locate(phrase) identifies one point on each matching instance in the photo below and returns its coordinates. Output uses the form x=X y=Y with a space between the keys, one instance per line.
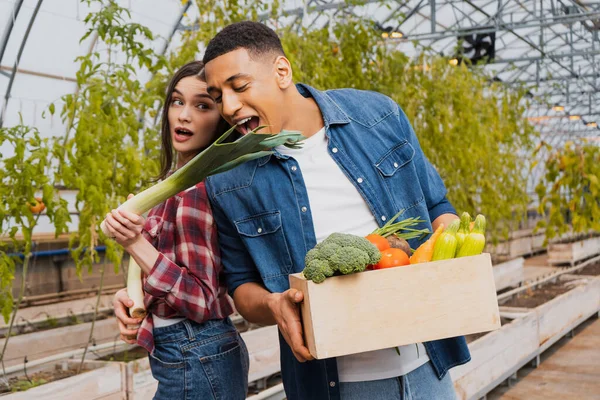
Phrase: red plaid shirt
x=185 y=281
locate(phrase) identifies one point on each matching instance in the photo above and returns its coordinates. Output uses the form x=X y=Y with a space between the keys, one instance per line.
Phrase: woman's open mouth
x=182 y=134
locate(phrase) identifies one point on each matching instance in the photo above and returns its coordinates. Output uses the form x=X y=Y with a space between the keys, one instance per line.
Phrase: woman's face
x=193 y=118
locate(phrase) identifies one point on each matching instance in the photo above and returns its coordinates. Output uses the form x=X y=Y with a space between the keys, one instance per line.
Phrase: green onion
x=397 y=228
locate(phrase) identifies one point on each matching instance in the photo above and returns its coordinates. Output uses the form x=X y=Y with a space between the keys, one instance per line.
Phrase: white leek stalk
x=134 y=289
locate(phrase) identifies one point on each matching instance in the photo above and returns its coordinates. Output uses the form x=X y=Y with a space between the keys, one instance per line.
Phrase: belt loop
x=189 y=329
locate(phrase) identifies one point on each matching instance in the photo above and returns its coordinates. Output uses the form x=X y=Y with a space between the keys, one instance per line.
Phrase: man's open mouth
x=247 y=125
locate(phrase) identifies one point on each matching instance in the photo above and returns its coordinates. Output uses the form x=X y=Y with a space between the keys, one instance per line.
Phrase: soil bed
x=22 y=383
x=592 y=270
x=533 y=298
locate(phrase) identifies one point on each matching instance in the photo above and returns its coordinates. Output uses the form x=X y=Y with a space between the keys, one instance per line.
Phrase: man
x=360 y=165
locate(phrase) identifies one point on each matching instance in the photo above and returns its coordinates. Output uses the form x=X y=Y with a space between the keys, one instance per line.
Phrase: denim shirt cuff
x=443 y=207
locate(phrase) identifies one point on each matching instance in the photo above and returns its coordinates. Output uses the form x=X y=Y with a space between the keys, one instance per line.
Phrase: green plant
x=104 y=153
x=569 y=191
x=26 y=384
x=23 y=175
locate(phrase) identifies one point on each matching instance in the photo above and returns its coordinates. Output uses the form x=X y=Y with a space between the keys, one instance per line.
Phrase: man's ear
x=283 y=70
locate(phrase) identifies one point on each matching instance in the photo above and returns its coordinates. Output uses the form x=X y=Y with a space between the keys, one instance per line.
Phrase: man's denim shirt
x=265 y=225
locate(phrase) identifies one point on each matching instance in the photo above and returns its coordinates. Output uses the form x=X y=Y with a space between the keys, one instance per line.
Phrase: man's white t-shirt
x=337 y=206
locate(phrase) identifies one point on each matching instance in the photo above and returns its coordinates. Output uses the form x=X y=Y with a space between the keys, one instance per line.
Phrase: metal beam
x=19 y=54
x=545 y=56
x=9 y=27
x=501 y=26
x=4 y=68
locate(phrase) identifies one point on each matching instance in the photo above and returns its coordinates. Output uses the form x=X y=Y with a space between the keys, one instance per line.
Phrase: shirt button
x=304 y=209
x=395 y=165
x=334 y=150
x=383 y=218
x=294 y=168
x=259 y=230
x=332 y=384
x=359 y=180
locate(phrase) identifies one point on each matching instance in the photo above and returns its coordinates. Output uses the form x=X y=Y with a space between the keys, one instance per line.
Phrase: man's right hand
x=284 y=307
x=121 y=302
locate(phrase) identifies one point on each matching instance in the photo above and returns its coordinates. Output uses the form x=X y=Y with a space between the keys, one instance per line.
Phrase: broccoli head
x=317 y=270
x=339 y=253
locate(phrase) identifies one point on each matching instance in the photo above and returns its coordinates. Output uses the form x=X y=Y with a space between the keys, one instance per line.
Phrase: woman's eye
x=177 y=102
x=202 y=106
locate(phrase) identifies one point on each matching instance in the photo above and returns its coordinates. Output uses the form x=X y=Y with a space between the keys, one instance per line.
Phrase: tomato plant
x=37 y=205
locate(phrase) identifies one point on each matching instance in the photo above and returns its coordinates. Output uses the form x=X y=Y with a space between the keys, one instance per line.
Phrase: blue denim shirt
x=265 y=224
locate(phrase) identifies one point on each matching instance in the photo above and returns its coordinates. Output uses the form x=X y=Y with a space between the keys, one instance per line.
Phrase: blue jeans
x=200 y=361
x=420 y=384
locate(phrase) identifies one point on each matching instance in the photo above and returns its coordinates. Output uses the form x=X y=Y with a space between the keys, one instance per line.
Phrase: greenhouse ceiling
x=550 y=47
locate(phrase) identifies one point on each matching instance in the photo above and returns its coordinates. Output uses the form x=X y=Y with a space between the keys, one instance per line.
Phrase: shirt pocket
x=264 y=238
x=397 y=170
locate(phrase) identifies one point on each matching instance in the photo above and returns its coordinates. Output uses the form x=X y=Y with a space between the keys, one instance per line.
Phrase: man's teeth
x=242 y=122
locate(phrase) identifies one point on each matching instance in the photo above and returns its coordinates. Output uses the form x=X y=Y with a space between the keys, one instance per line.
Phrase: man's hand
x=284 y=307
x=121 y=302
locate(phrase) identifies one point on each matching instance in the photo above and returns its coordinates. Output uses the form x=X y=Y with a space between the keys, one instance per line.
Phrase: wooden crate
x=570 y=253
x=403 y=305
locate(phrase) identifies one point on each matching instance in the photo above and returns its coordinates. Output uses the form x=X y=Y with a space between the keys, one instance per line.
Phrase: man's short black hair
x=258 y=39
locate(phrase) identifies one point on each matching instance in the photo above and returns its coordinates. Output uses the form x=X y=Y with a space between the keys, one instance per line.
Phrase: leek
x=134 y=290
x=218 y=157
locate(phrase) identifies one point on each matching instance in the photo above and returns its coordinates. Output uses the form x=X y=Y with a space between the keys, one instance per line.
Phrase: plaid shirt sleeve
x=190 y=286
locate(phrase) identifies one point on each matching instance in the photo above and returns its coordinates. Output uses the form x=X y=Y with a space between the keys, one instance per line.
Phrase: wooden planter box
x=571 y=253
x=263 y=348
x=139 y=384
x=563 y=313
x=58 y=340
x=509 y=273
x=495 y=355
x=404 y=305
x=518 y=244
x=103 y=382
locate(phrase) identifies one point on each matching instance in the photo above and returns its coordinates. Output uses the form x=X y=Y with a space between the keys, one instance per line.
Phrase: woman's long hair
x=193 y=68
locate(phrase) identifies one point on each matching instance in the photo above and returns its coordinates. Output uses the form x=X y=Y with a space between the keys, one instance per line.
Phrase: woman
x=195 y=351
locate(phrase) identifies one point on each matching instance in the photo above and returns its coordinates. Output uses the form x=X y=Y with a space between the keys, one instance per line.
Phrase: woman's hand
x=125 y=226
x=128 y=327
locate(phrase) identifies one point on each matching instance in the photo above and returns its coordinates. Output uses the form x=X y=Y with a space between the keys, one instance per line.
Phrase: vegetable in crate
x=392 y=258
x=465 y=228
x=475 y=240
x=445 y=246
x=425 y=250
x=397 y=233
x=339 y=253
